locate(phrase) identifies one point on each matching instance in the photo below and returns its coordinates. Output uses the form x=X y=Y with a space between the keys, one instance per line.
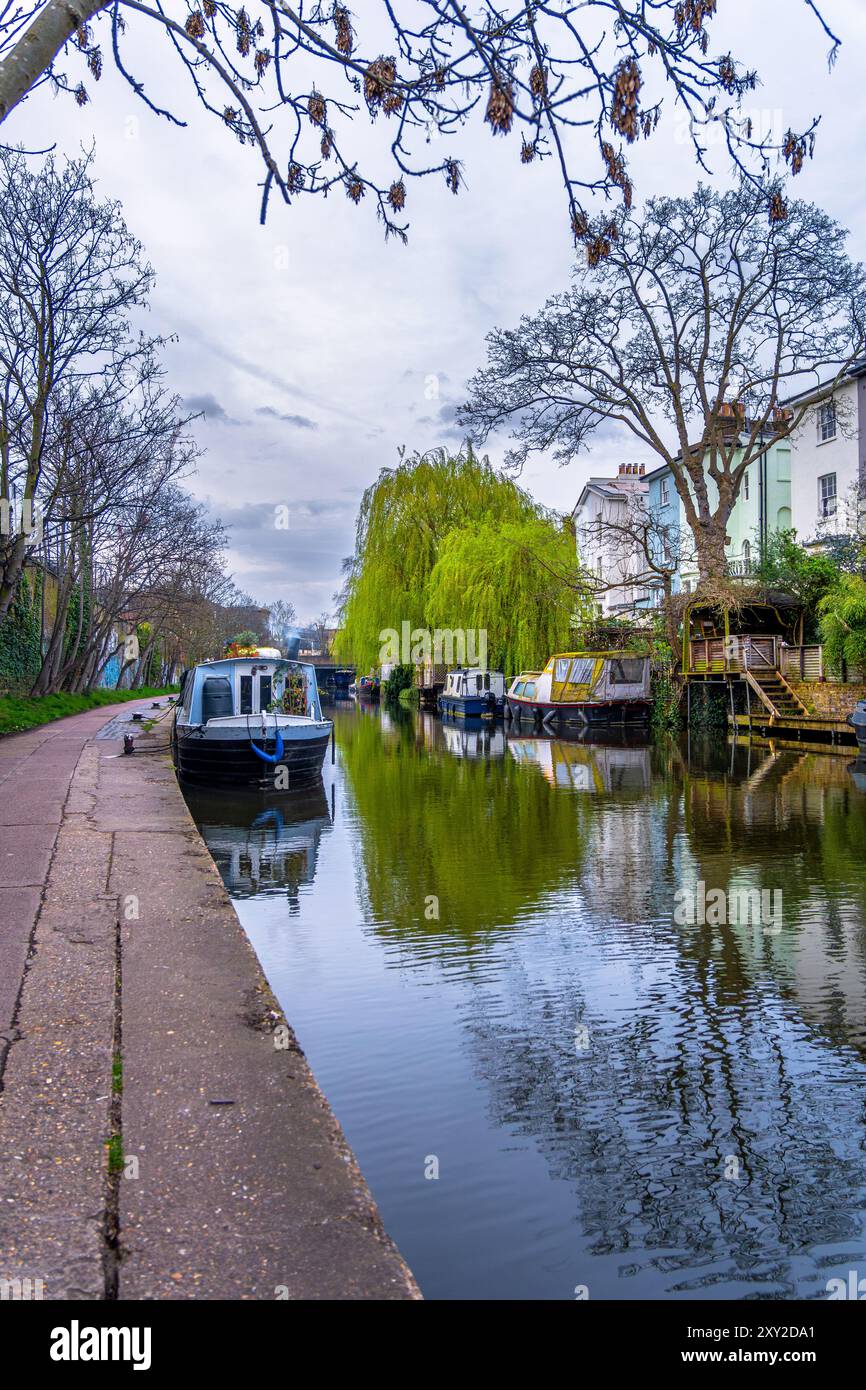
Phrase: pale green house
x=762 y=507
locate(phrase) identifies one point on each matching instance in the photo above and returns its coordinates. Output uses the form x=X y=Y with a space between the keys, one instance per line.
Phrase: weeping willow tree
x=419 y=528
x=519 y=580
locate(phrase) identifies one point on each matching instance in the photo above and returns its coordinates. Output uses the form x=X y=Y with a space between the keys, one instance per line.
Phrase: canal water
x=572 y=1058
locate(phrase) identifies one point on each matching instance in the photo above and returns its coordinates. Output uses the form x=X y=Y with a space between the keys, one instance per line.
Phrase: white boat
x=251 y=721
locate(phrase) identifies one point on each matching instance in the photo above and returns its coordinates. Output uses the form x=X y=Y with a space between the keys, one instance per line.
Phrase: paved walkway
x=154 y=1141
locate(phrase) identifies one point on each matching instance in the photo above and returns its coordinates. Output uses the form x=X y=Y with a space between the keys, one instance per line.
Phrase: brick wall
x=829 y=699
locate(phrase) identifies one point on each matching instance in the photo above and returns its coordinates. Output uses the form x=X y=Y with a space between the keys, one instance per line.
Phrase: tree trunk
x=710 y=552
x=37 y=48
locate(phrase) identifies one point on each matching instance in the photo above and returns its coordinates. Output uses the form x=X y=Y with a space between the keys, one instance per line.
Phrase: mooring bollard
x=128 y=743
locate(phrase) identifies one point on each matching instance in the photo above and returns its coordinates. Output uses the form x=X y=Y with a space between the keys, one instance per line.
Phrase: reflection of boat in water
x=857 y=770
x=262 y=844
x=465 y=737
x=584 y=688
x=577 y=765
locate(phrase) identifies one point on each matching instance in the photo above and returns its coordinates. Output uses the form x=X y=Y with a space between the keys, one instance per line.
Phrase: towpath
x=161 y=1134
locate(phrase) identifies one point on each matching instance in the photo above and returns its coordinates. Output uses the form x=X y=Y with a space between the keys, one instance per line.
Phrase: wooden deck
x=805 y=728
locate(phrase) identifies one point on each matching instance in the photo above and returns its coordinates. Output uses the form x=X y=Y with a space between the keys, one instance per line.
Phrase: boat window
x=479 y=683
x=487 y=680
x=246 y=691
x=529 y=691
x=518 y=689
x=626 y=671
x=265 y=695
x=562 y=668
x=581 y=671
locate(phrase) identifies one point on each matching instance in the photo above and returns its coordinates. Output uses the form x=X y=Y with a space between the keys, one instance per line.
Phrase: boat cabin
x=248 y=686
x=474 y=681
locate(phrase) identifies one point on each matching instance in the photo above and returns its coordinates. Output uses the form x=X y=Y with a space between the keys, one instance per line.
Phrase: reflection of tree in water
x=705 y=1043
x=796 y=823
x=263 y=846
x=484 y=837
x=678 y=1076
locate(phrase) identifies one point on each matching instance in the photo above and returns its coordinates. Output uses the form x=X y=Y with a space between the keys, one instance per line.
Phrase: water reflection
x=651 y=1109
x=263 y=845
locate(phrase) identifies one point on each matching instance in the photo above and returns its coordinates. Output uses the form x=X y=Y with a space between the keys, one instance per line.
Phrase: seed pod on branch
x=778 y=208
x=316 y=108
x=195 y=25
x=343 y=25
x=380 y=86
x=500 y=107
x=624 y=109
x=538 y=82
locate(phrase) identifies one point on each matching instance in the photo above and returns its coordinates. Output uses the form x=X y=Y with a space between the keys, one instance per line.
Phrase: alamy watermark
x=441 y=647
x=25 y=518
x=713 y=907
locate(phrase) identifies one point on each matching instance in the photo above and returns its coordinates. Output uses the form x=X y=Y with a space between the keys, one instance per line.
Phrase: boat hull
x=470 y=706
x=204 y=760
x=581 y=713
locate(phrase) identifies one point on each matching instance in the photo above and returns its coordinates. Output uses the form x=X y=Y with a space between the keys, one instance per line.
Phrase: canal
x=592 y=1016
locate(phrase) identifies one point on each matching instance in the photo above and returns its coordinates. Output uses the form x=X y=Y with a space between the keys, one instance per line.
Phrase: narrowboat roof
x=609 y=652
x=252 y=660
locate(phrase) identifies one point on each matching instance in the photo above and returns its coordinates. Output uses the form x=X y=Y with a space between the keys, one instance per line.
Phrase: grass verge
x=28 y=712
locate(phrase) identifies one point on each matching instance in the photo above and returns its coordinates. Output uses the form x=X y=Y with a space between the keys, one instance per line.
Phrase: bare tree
x=70 y=274
x=282 y=622
x=699 y=324
x=289 y=81
x=643 y=552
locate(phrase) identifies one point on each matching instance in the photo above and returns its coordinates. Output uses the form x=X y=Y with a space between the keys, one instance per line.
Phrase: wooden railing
x=721 y=655
x=726 y=655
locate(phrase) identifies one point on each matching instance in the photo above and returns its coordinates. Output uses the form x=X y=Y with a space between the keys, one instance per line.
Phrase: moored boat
x=368 y=687
x=252 y=721
x=857 y=720
x=471 y=692
x=602 y=687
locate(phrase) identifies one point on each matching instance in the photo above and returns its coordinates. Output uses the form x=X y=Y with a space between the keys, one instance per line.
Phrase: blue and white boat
x=250 y=721
x=471 y=692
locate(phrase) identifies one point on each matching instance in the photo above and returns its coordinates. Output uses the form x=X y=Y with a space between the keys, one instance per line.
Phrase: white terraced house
x=828 y=473
x=608 y=557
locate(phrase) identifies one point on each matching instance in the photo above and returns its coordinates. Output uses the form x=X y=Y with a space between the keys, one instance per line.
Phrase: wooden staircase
x=776 y=695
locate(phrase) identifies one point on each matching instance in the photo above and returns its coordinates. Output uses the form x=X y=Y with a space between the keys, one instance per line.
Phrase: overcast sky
x=315 y=349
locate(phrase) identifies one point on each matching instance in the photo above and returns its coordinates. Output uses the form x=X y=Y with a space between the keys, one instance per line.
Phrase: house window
x=827 y=495
x=826 y=421
x=598 y=566
x=665 y=493
x=747 y=558
x=746 y=486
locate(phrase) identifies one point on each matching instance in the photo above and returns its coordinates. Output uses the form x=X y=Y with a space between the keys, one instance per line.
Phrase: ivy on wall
x=21 y=638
